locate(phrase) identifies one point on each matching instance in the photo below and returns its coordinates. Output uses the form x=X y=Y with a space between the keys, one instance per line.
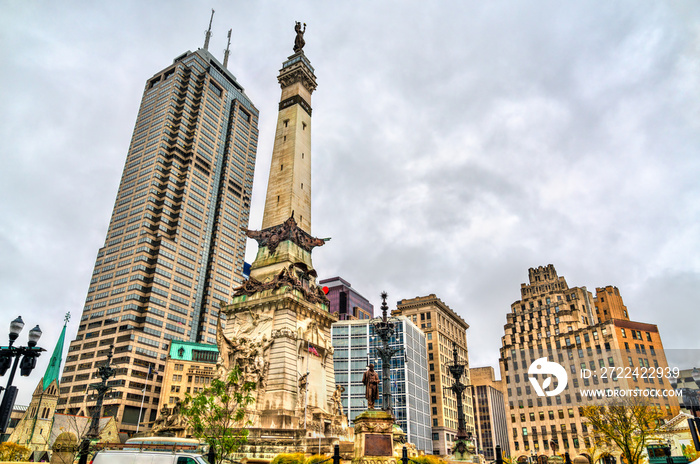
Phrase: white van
x=147 y=457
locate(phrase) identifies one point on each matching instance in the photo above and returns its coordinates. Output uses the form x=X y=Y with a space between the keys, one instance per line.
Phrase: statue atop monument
x=299 y=39
x=371 y=381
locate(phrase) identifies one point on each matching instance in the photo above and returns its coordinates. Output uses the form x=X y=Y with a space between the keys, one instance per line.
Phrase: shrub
x=428 y=459
x=13 y=452
x=288 y=458
x=316 y=458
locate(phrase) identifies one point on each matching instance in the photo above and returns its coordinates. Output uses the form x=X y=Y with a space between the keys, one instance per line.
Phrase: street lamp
x=16 y=327
x=28 y=354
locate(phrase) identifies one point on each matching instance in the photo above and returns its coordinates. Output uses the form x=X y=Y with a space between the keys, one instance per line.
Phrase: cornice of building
x=420 y=302
x=635 y=325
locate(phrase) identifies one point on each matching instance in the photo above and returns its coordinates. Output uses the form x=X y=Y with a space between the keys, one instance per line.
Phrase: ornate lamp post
x=28 y=354
x=384 y=330
x=105 y=371
x=457 y=370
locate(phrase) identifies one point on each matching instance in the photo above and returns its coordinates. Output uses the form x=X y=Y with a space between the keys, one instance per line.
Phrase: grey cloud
x=455 y=145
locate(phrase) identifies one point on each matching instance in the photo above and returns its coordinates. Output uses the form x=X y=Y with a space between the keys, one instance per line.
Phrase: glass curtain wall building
x=175 y=246
x=355 y=346
x=345 y=301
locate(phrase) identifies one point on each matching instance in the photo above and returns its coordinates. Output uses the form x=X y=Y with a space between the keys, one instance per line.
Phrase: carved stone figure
x=159 y=423
x=175 y=419
x=336 y=401
x=302 y=382
x=227 y=350
x=370 y=379
x=301 y=396
x=251 y=324
x=247 y=351
x=299 y=39
x=309 y=331
x=292 y=277
x=169 y=421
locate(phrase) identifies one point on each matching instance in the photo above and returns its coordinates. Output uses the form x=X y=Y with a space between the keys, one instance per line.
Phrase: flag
x=313 y=351
x=151 y=370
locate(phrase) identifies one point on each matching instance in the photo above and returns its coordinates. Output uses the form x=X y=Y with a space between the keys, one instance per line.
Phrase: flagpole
x=306 y=387
x=143 y=397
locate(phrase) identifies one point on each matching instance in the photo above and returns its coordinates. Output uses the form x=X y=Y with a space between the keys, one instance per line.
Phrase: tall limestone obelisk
x=278 y=327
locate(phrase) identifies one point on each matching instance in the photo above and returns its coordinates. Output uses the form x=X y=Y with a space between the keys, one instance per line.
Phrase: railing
x=147 y=447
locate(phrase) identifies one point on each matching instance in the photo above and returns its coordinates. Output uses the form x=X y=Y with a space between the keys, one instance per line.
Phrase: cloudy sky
x=455 y=145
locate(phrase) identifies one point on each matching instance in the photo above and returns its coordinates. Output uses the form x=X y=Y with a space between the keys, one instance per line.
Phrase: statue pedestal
x=464 y=450
x=374 y=438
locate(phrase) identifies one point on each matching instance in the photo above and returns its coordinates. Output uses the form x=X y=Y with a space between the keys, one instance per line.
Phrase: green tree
x=13 y=452
x=627 y=424
x=690 y=452
x=217 y=414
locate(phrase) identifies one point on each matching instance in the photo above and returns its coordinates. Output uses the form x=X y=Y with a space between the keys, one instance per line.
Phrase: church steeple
x=53 y=370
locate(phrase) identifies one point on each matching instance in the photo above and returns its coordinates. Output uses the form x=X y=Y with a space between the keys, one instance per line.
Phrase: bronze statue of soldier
x=371 y=381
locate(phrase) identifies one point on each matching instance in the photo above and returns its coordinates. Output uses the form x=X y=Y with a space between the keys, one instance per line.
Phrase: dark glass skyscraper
x=175 y=245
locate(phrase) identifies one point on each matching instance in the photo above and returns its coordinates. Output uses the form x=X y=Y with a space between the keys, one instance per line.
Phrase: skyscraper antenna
x=208 y=33
x=228 y=46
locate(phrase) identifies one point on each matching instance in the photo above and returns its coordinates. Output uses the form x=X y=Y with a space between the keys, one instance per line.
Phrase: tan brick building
x=190 y=368
x=443 y=328
x=580 y=333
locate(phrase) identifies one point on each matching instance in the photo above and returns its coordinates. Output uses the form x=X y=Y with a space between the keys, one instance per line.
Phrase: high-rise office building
x=589 y=345
x=175 y=244
x=355 y=346
x=491 y=426
x=345 y=301
x=443 y=329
